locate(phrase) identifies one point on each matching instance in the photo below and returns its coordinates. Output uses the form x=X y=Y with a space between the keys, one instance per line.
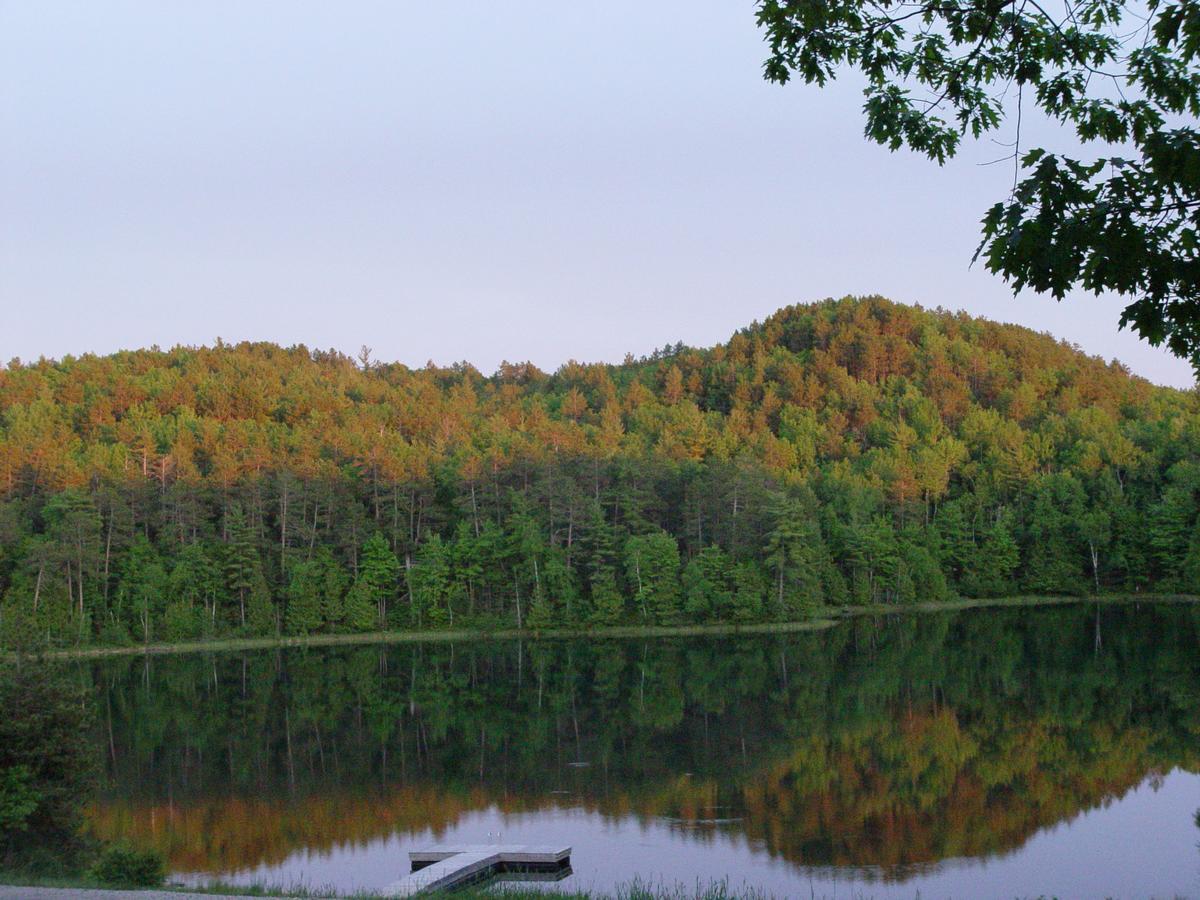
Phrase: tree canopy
x=1118 y=207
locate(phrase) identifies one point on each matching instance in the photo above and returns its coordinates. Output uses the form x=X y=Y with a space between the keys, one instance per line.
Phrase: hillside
x=846 y=451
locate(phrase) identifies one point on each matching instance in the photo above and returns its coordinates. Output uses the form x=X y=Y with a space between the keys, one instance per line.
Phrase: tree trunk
x=107 y=553
x=474 y=510
x=283 y=513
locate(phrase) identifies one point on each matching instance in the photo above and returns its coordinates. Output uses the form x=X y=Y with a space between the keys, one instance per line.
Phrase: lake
x=1006 y=753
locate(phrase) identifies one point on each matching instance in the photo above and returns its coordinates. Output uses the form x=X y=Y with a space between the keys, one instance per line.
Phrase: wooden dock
x=445 y=868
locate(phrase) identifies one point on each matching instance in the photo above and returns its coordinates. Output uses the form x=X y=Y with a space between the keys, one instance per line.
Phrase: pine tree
x=652 y=568
x=709 y=585
x=261 y=615
x=957 y=551
x=607 y=601
x=1175 y=528
x=332 y=580
x=1002 y=555
x=919 y=577
x=359 y=610
x=73 y=528
x=795 y=553
x=430 y=581
x=559 y=584
x=1055 y=554
x=303 y=615
x=242 y=563
x=608 y=604
x=378 y=570
x=142 y=592
x=197 y=579
x=750 y=589
x=527 y=550
x=541 y=611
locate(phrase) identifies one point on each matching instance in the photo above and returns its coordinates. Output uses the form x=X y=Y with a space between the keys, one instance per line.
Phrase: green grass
x=1024 y=600
x=821 y=619
x=460 y=634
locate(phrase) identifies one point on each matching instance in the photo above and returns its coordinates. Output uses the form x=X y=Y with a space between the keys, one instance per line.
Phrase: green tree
x=992 y=567
x=19 y=799
x=378 y=570
x=652 y=567
x=242 y=564
x=958 y=551
x=873 y=557
x=922 y=452
x=796 y=555
x=1175 y=527
x=1095 y=527
x=750 y=591
x=527 y=549
x=73 y=527
x=262 y=617
x=334 y=580
x=919 y=577
x=555 y=598
x=470 y=554
x=305 y=592
x=196 y=578
x=359 y=612
x=182 y=622
x=1054 y=563
x=432 y=583
x=1126 y=217
x=142 y=591
x=599 y=565
x=709 y=585
x=608 y=603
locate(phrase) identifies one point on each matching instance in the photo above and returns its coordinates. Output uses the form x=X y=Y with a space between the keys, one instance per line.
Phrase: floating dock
x=446 y=868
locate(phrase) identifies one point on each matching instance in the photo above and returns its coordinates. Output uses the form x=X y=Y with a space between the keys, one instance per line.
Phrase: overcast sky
x=475 y=180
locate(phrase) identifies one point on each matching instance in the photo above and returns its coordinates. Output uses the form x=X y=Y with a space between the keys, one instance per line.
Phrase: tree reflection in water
x=892 y=743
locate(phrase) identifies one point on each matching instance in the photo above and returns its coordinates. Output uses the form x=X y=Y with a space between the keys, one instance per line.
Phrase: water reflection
x=883 y=750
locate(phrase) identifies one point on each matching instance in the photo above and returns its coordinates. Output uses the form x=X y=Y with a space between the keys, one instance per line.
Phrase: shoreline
x=827 y=618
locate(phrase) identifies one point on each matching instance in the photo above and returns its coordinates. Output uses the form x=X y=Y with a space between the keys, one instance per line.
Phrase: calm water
x=1005 y=753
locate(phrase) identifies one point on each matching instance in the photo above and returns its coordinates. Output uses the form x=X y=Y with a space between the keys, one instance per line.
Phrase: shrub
x=19 y=799
x=18 y=629
x=121 y=866
x=182 y=622
x=113 y=633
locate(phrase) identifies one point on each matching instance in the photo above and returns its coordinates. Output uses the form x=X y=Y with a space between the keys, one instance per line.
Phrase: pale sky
x=476 y=180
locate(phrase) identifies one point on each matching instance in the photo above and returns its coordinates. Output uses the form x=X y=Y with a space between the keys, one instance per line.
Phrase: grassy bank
x=443 y=636
x=883 y=609
x=825 y=618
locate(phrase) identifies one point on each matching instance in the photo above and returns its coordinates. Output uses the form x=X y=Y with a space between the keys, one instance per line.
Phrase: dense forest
x=850 y=451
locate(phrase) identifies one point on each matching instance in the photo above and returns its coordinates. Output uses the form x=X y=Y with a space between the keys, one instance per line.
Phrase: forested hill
x=846 y=451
